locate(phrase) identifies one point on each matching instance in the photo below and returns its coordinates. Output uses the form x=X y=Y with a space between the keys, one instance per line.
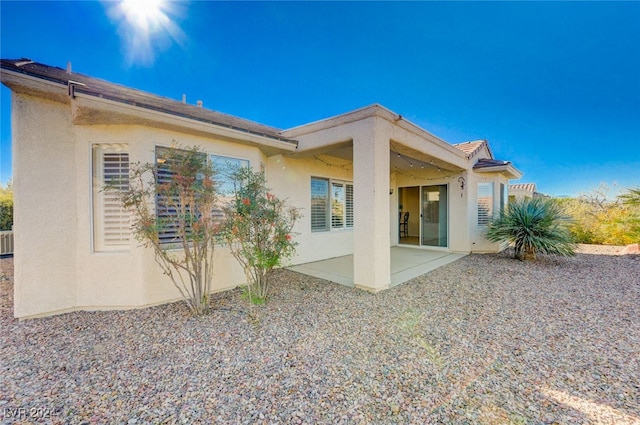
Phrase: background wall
x=290 y=178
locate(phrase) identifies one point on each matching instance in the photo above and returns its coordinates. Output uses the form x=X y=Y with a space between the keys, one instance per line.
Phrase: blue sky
x=553 y=86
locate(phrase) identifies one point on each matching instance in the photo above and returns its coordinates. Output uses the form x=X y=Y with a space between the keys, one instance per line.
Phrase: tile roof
x=528 y=187
x=100 y=88
x=471 y=148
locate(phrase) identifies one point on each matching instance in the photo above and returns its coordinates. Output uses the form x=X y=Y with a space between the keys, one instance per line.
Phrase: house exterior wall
x=45 y=206
x=290 y=179
x=57 y=269
x=458 y=235
x=479 y=243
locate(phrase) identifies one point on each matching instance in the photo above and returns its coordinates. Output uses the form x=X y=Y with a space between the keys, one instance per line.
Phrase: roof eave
x=375 y=111
x=508 y=170
x=21 y=81
x=86 y=105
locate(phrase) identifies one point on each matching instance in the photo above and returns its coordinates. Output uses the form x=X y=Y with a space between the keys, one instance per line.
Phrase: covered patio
x=406 y=264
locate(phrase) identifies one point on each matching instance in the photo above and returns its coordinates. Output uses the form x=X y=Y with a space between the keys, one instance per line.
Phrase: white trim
x=95 y=177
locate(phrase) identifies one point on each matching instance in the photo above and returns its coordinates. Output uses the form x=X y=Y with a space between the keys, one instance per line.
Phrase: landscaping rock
x=485 y=339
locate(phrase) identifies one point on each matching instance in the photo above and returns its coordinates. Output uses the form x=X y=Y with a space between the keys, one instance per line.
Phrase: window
x=224 y=167
x=349 y=205
x=337 y=205
x=166 y=209
x=111 y=222
x=485 y=203
x=319 y=204
x=331 y=204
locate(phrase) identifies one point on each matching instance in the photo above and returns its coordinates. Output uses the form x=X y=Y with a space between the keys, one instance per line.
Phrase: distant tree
x=174 y=208
x=6 y=206
x=533 y=226
x=599 y=219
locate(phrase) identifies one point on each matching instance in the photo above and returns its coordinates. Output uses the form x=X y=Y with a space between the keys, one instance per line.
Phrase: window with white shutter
x=111 y=222
x=331 y=204
x=349 y=204
x=170 y=211
x=485 y=203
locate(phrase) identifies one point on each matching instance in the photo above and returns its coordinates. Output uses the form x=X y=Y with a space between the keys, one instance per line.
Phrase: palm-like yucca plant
x=537 y=225
x=632 y=197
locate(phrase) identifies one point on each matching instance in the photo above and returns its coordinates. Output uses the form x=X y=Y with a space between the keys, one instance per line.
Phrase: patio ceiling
x=401 y=157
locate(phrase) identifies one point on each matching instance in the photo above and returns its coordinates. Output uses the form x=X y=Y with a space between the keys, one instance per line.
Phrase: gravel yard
x=486 y=340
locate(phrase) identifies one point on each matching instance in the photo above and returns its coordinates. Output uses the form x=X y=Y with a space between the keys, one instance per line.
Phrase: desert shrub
x=533 y=226
x=175 y=212
x=598 y=219
x=257 y=228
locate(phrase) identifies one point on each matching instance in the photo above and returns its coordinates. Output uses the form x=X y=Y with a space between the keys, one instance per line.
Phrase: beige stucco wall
x=290 y=179
x=46 y=207
x=478 y=241
x=56 y=267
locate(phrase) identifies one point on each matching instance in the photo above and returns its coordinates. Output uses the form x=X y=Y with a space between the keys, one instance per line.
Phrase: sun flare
x=144 y=14
x=146 y=27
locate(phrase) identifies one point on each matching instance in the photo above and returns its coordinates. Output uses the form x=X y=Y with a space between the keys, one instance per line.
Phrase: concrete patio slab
x=406 y=264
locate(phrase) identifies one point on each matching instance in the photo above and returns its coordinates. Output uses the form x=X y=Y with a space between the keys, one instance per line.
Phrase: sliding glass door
x=434 y=216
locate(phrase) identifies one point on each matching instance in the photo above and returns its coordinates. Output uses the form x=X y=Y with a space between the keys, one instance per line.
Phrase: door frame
x=420 y=214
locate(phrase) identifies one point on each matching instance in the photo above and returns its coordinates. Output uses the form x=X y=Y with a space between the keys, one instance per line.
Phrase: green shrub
x=258 y=230
x=186 y=199
x=533 y=226
x=6 y=207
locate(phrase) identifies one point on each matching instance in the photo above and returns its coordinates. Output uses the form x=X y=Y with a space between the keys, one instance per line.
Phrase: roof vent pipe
x=199 y=103
x=69 y=67
x=184 y=98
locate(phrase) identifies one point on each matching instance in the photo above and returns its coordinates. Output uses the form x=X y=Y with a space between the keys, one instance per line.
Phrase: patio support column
x=371 y=253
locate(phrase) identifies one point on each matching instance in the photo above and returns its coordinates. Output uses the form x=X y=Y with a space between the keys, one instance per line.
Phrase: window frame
x=485 y=204
x=333 y=222
x=210 y=160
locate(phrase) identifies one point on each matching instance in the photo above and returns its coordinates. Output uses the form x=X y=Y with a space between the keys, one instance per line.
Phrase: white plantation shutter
x=485 y=203
x=111 y=222
x=166 y=207
x=331 y=204
x=349 y=204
